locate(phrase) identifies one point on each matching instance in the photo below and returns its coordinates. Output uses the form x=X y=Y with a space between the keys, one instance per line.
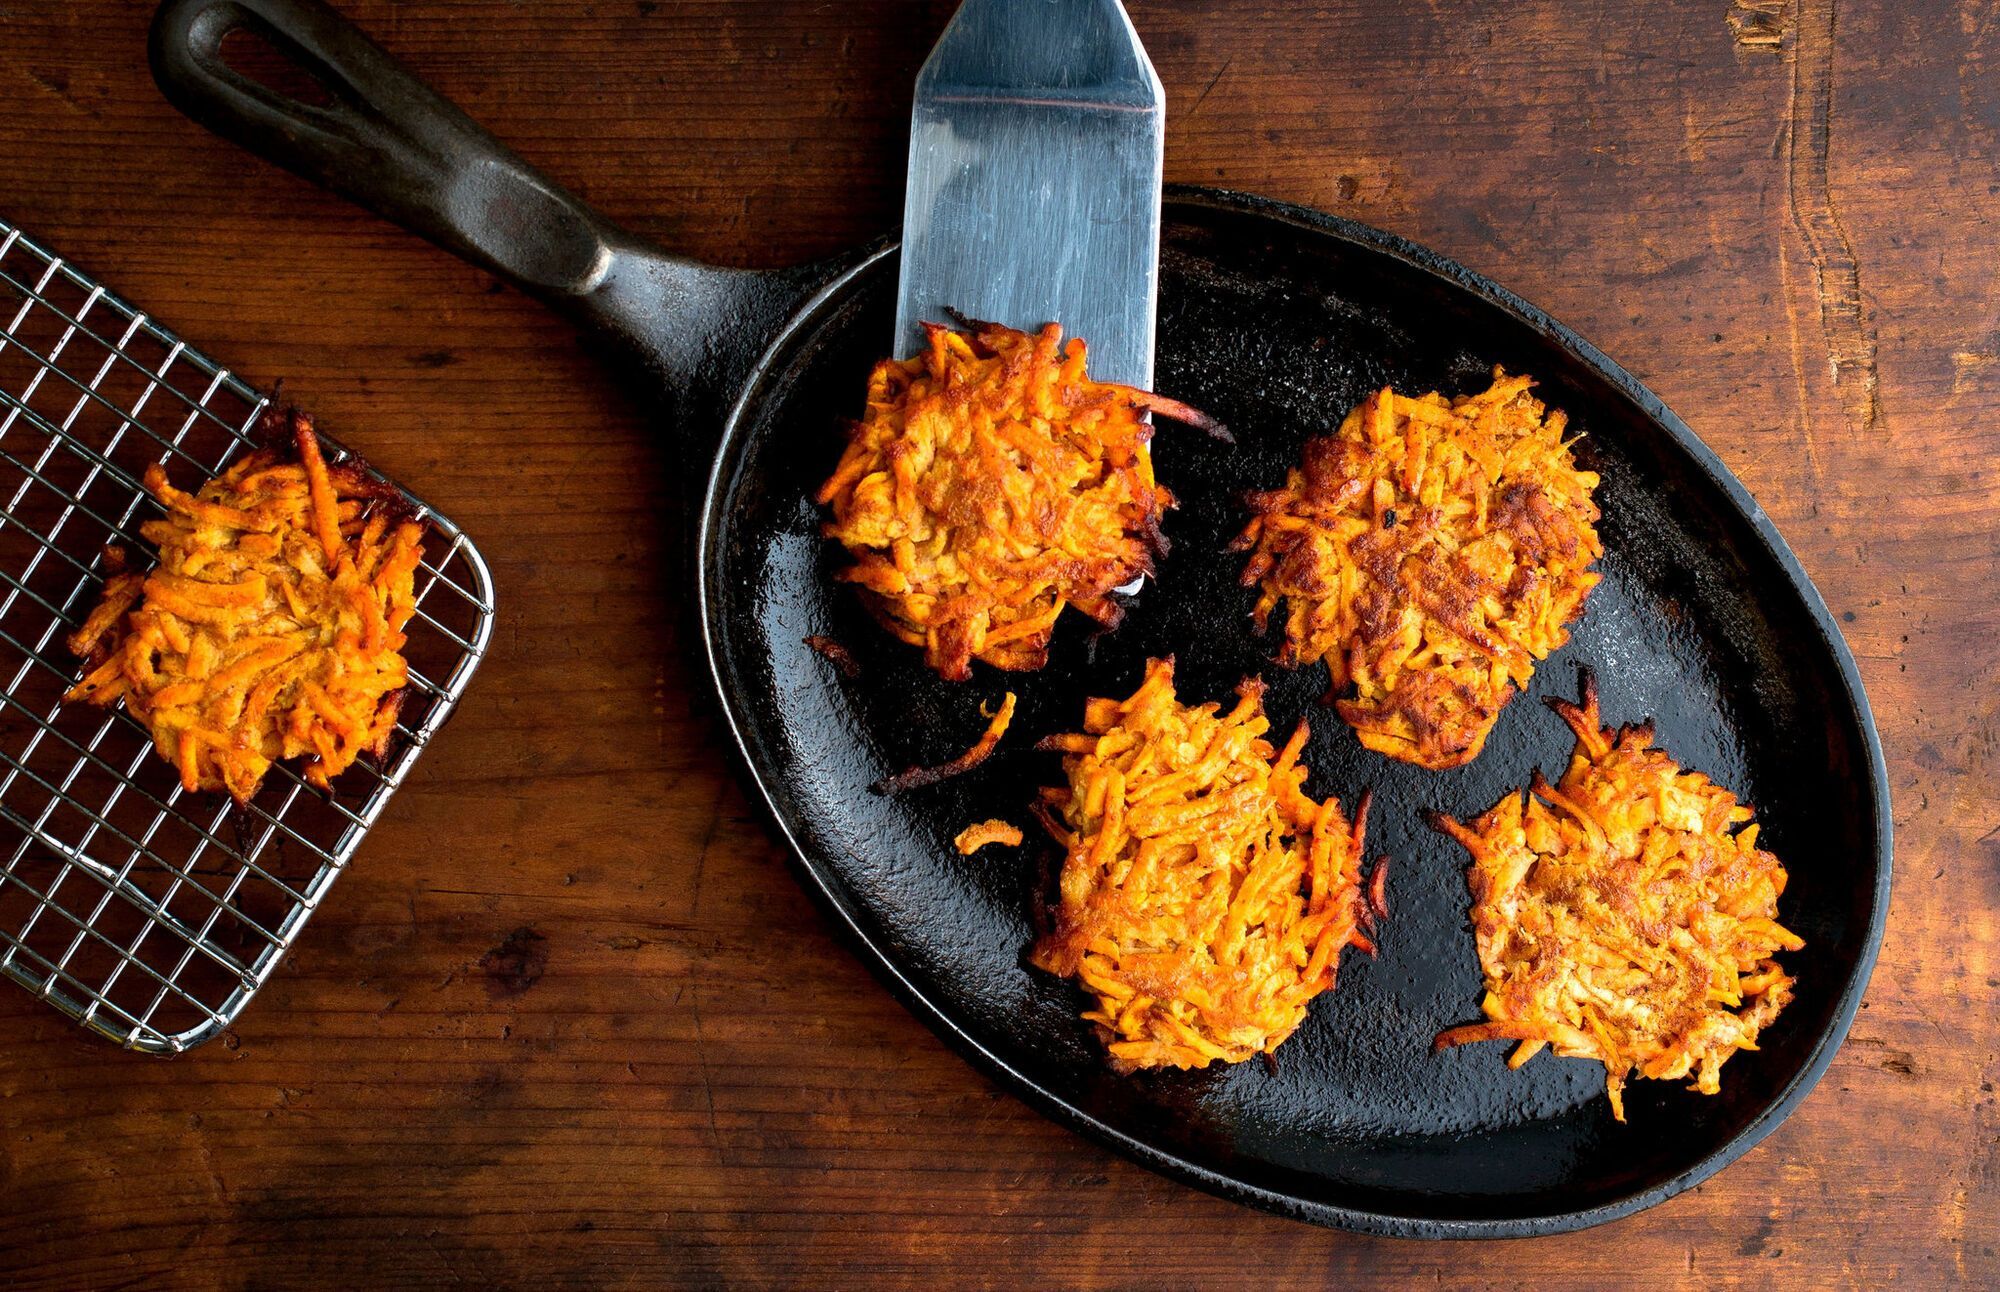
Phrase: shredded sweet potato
x=1624 y=914
x=1430 y=552
x=272 y=626
x=1204 y=899
x=974 y=837
x=982 y=749
x=990 y=484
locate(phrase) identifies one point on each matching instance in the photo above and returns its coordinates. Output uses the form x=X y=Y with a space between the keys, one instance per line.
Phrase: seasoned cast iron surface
x=1279 y=330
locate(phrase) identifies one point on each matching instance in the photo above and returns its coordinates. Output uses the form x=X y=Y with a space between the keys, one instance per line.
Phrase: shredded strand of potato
x=1204 y=899
x=989 y=485
x=272 y=626
x=977 y=836
x=1430 y=552
x=982 y=749
x=1624 y=914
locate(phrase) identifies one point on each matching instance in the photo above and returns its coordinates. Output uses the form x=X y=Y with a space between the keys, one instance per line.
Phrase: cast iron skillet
x=1275 y=319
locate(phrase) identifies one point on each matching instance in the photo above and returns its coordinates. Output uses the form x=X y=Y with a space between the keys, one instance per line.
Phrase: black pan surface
x=1277 y=320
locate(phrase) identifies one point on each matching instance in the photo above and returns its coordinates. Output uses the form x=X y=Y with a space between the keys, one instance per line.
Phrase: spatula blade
x=1034 y=187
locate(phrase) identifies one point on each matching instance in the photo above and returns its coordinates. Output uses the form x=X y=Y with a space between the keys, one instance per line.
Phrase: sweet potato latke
x=990 y=484
x=1622 y=916
x=272 y=624
x=1431 y=552
x=1204 y=899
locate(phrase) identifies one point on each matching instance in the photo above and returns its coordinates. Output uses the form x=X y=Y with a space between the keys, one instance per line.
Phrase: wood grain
x=1778 y=213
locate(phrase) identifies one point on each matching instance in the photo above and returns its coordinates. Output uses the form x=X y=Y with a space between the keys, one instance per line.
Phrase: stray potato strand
x=989 y=485
x=977 y=836
x=1622 y=915
x=982 y=749
x=1204 y=899
x=1430 y=552
x=272 y=626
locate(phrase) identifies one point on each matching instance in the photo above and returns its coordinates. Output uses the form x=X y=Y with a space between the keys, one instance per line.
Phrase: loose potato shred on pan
x=1622 y=915
x=917 y=777
x=272 y=626
x=1430 y=552
x=989 y=485
x=835 y=654
x=1204 y=899
x=977 y=836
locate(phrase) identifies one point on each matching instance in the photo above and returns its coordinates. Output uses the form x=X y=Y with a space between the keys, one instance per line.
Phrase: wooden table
x=569 y=1023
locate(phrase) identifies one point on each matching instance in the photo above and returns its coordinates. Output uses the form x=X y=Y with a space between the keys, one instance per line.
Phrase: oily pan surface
x=1278 y=331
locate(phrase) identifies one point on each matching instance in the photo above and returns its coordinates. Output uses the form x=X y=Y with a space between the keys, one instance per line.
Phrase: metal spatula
x=1034 y=188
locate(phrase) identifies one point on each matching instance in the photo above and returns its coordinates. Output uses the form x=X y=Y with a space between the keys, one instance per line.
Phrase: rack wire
x=148 y=914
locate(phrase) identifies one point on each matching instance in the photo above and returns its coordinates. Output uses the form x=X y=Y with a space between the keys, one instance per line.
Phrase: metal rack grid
x=148 y=914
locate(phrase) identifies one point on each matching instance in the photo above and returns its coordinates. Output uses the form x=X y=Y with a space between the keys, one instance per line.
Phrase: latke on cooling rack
x=271 y=626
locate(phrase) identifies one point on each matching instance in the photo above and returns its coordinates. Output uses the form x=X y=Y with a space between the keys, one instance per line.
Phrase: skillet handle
x=398 y=148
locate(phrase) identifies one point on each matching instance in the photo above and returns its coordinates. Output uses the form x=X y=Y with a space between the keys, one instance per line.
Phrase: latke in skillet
x=1204 y=899
x=990 y=484
x=1430 y=552
x=1624 y=914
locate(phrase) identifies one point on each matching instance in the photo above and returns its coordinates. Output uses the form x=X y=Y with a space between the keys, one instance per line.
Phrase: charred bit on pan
x=836 y=654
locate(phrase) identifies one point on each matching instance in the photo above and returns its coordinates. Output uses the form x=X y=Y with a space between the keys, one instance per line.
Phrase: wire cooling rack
x=148 y=914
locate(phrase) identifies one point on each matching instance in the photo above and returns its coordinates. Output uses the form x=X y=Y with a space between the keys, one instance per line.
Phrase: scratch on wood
x=707 y=842
x=216 y=1189
x=430 y=1242
x=57 y=84
x=1758 y=24
x=1208 y=89
x=1850 y=341
x=701 y=1068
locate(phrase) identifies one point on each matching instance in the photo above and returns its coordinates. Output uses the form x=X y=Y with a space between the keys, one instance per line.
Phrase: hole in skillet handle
x=254 y=55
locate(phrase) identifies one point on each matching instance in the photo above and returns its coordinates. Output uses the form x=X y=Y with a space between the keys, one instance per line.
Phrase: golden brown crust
x=1622 y=915
x=990 y=484
x=1430 y=552
x=272 y=626
x=1204 y=899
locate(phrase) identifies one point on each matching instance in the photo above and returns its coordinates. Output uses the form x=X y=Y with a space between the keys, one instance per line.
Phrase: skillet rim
x=710 y=517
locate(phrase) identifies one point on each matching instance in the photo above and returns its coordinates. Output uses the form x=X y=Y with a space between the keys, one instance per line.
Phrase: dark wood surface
x=1780 y=214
